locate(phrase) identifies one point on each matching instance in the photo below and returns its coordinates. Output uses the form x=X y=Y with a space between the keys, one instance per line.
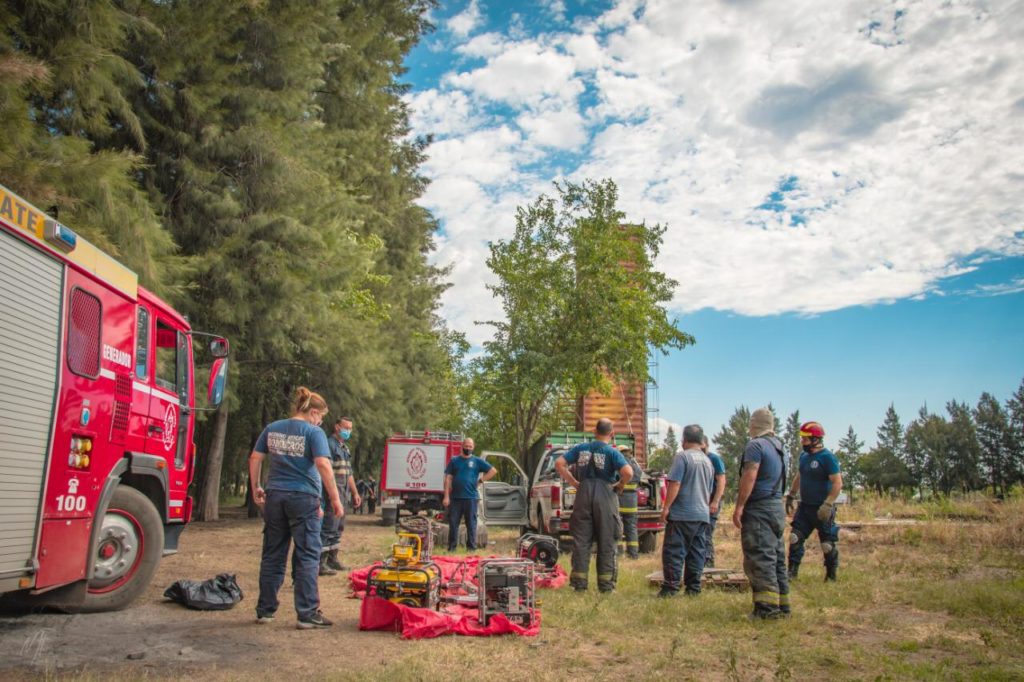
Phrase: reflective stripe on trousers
x=764 y=550
x=595 y=518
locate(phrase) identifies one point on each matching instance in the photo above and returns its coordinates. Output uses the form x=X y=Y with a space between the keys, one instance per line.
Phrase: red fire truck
x=97 y=410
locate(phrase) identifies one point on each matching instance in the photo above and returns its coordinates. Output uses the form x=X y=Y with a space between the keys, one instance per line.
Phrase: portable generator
x=506 y=586
x=406 y=578
x=540 y=549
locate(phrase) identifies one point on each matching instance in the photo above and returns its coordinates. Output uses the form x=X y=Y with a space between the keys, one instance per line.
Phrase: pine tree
x=848 y=451
x=671 y=442
x=731 y=441
x=993 y=438
x=791 y=436
x=1015 y=438
x=884 y=467
x=964 y=448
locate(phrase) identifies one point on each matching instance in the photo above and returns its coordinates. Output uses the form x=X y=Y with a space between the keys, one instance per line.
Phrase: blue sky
x=840 y=183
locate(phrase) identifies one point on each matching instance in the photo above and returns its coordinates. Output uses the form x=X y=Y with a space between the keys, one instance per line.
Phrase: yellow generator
x=407 y=577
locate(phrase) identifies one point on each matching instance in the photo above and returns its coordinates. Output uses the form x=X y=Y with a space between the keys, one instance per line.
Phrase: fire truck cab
x=97 y=412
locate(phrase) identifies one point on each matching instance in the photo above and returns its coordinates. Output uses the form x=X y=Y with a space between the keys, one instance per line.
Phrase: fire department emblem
x=416 y=463
x=170 y=427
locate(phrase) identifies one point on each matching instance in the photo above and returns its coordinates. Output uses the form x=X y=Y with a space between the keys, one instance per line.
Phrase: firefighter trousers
x=630 y=542
x=805 y=522
x=595 y=518
x=764 y=555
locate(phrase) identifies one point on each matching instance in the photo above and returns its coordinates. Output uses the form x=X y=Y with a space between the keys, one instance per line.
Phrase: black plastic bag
x=216 y=594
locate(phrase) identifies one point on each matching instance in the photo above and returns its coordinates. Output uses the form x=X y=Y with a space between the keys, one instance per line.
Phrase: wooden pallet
x=722 y=578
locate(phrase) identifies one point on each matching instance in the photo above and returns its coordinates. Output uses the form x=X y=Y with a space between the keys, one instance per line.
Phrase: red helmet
x=812 y=430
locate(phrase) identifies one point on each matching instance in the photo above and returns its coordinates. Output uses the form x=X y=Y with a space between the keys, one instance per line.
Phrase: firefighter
x=334 y=526
x=715 y=502
x=761 y=517
x=595 y=516
x=819 y=482
x=299 y=460
x=461 y=497
x=629 y=544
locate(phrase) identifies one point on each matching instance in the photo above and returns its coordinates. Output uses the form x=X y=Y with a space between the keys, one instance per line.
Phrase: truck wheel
x=542 y=523
x=127 y=551
x=648 y=542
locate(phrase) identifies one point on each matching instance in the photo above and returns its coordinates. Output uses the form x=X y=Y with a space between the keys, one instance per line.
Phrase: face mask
x=466 y=453
x=345 y=434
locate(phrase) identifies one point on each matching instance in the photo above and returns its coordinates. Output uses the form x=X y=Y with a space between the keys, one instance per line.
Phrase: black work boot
x=765 y=612
x=830 y=573
x=333 y=561
x=324 y=568
x=793 y=571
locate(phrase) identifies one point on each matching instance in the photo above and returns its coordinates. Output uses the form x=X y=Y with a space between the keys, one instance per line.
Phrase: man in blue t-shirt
x=819 y=483
x=686 y=515
x=461 y=477
x=715 y=503
x=602 y=471
x=761 y=517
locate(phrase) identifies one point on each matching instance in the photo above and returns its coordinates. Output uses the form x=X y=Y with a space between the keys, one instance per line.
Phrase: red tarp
x=416 y=623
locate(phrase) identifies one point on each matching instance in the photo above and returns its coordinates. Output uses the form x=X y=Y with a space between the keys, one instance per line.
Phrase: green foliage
x=671 y=442
x=583 y=304
x=848 y=451
x=251 y=161
x=731 y=440
x=791 y=435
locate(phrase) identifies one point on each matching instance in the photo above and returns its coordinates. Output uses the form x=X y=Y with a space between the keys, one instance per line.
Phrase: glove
x=790 y=504
x=825 y=512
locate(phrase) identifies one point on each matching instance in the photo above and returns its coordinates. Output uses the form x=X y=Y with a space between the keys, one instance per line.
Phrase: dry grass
x=937 y=600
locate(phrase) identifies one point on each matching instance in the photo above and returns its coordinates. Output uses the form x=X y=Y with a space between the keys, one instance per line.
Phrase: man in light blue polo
x=687 y=515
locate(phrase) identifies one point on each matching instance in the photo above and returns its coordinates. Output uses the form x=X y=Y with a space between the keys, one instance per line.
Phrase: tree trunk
x=209 y=494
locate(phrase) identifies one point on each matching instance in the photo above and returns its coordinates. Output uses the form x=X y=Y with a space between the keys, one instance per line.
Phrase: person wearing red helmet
x=819 y=482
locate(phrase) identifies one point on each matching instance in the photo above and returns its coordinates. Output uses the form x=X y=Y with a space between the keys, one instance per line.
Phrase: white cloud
x=900 y=129
x=522 y=74
x=462 y=24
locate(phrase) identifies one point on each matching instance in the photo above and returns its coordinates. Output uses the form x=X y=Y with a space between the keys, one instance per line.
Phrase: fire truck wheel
x=648 y=542
x=127 y=551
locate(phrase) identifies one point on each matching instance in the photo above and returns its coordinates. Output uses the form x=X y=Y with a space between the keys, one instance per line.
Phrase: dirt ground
x=154 y=637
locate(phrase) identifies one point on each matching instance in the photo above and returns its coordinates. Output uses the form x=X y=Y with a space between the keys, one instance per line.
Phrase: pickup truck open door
x=505 y=501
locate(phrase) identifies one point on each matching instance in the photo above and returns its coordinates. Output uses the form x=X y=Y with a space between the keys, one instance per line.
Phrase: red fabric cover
x=416 y=623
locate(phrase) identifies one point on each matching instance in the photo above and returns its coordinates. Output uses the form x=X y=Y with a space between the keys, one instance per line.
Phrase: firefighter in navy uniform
x=761 y=517
x=819 y=482
x=628 y=506
x=595 y=514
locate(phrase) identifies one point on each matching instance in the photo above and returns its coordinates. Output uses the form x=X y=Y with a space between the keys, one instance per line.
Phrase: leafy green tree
x=583 y=306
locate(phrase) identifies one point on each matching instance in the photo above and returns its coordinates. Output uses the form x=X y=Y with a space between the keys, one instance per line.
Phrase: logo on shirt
x=471 y=464
x=286 y=445
x=814 y=465
x=416 y=463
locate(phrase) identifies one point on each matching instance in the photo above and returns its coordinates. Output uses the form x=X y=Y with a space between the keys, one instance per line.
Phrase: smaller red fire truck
x=97 y=411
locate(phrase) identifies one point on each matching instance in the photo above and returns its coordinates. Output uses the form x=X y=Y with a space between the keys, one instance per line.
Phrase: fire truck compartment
x=31 y=285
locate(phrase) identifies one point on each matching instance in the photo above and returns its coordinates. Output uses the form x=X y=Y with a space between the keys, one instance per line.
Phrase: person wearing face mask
x=461 y=477
x=299 y=460
x=334 y=524
x=819 y=482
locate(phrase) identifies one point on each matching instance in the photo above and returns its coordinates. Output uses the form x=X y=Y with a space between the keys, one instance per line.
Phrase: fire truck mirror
x=219 y=347
x=218 y=377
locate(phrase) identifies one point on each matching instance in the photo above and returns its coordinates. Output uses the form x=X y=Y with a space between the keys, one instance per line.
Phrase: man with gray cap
x=761 y=517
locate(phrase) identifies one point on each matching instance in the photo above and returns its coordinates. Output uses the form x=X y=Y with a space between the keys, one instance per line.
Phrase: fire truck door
x=168 y=388
x=139 y=423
